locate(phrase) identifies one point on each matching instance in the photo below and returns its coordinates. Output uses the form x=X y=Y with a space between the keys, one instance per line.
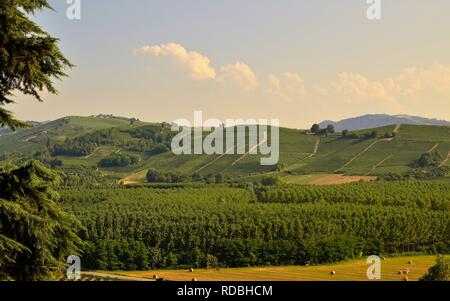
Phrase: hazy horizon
x=298 y=61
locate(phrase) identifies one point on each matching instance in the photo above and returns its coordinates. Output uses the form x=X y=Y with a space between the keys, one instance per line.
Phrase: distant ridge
x=5 y=130
x=379 y=120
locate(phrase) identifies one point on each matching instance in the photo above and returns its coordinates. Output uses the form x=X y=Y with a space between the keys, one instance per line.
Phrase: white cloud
x=413 y=81
x=410 y=84
x=239 y=74
x=198 y=67
x=287 y=85
x=195 y=64
x=355 y=88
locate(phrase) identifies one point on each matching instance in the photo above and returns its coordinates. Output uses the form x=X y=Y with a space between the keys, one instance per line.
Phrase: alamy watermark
x=374 y=10
x=374 y=270
x=73 y=11
x=234 y=136
x=74 y=269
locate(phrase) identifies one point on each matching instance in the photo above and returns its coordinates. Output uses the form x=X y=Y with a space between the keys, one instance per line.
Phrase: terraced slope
x=300 y=153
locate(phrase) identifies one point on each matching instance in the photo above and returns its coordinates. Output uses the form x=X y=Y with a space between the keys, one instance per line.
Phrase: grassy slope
x=348 y=271
x=35 y=138
x=296 y=151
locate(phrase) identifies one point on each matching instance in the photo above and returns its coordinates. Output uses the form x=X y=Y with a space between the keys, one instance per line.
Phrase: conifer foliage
x=29 y=57
x=35 y=234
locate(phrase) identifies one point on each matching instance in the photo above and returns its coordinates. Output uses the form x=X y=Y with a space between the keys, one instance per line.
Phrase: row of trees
x=119 y=160
x=418 y=174
x=317 y=130
x=158 y=176
x=152 y=228
x=75 y=148
x=413 y=194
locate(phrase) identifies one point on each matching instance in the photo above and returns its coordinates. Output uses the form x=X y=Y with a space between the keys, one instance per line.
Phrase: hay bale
x=383 y=258
x=194 y=279
x=333 y=273
x=400 y=272
x=410 y=262
x=405 y=278
x=155 y=277
x=191 y=270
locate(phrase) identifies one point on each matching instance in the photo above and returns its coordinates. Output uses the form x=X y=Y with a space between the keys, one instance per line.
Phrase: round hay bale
x=155 y=277
x=191 y=270
x=194 y=279
x=333 y=273
x=405 y=278
x=410 y=262
x=383 y=258
x=400 y=272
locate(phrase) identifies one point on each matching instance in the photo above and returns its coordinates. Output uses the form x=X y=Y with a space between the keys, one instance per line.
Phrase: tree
x=427 y=160
x=315 y=129
x=29 y=57
x=219 y=178
x=271 y=181
x=153 y=176
x=345 y=133
x=211 y=261
x=439 y=272
x=36 y=235
x=330 y=129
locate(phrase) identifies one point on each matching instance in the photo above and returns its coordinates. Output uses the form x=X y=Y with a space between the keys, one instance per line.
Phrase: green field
x=355 y=270
x=301 y=156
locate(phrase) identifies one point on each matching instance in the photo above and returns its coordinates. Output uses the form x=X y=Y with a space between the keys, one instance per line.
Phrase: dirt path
x=358 y=155
x=246 y=154
x=91 y=154
x=433 y=148
x=381 y=162
x=214 y=161
x=446 y=160
x=116 y=277
x=316 y=147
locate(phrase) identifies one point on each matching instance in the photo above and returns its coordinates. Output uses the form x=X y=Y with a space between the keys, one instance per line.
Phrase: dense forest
x=130 y=229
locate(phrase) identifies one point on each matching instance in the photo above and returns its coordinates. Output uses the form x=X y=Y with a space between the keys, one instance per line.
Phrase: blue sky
x=297 y=60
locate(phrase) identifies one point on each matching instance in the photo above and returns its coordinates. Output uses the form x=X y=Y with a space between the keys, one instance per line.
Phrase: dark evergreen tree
x=29 y=57
x=35 y=234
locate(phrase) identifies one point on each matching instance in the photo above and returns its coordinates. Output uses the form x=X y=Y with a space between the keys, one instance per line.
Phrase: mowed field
x=327 y=179
x=348 y=271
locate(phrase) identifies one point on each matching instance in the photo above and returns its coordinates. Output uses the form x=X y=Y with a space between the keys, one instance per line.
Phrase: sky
x=301 y=61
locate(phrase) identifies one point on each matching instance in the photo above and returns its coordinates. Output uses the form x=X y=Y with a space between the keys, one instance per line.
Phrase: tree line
x=170 y=228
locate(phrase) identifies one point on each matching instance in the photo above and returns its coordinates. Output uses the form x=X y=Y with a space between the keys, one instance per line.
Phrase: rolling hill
x=300 y=154
x=379 y=120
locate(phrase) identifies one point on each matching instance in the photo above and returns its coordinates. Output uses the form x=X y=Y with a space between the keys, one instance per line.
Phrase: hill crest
x=380 y=120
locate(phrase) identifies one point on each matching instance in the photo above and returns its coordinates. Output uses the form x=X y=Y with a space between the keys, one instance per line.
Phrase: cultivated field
x=327 y=179
x=348 y=271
